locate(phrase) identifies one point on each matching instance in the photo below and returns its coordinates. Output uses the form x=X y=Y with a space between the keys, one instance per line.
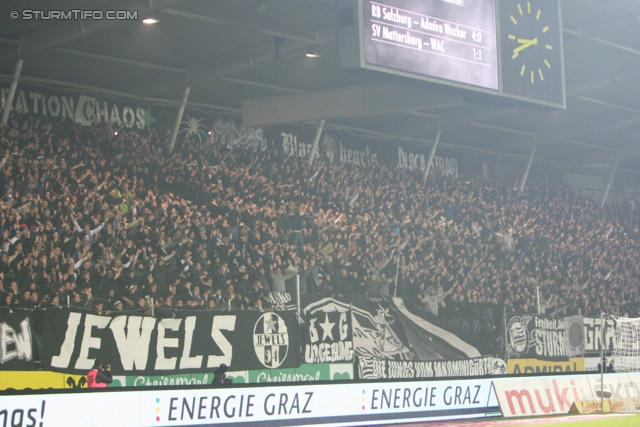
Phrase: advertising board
x=555 y=395
x=317 y=404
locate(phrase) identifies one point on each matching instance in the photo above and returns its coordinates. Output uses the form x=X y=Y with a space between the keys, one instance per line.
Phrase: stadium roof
x=226 y=51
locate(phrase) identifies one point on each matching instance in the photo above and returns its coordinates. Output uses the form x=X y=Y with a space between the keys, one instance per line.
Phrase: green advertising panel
x=310 y=372
x=171 y=380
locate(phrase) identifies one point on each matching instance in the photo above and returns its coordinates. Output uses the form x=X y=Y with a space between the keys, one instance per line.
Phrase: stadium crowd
x=108 y=219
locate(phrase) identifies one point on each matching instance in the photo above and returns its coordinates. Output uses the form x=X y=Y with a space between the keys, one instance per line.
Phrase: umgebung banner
x=329 y=335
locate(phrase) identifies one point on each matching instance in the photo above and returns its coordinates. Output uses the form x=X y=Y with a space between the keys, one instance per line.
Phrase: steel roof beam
x=122 y=60
x=582 y=128
x=231 y=64
x=247 y=24
x=609 y=26
x=99 y=90
x=473 y=113
x=355 y=101
x=576 y=89
x=63 y=32
x=109 y=58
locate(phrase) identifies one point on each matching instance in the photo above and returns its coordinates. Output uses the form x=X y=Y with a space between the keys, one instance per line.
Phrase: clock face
x=531 y=49
x=527 y=37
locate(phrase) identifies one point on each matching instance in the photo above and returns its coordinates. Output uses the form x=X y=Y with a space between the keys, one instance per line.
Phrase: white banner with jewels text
x=319 y=404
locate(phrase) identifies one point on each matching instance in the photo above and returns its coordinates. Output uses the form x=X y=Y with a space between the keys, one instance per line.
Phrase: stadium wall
x=356 y=403
x=41 y=380
x=368 y=403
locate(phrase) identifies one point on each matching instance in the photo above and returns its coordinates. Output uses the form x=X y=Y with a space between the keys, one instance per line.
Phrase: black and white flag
x=280 y=301
x=329 y=335
x=545 y=338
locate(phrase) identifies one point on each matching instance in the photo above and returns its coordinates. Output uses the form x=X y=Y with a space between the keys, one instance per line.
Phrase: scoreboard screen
x=452 y=40
x=509 y=48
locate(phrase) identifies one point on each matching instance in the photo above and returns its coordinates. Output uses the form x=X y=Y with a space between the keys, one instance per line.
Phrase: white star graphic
x=327 y=327
x=270 y=325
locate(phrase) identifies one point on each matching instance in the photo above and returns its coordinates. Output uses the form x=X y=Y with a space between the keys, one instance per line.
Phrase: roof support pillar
x=527 y=169
x=608 y=187
x=12 y=92
x=316 y=140
x=431 y=154
x=176 y=126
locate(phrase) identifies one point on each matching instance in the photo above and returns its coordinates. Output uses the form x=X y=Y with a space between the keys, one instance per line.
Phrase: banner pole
x=527 y=169
x=395 y=288
x=602 y=362
x=298 y=296
x=176 y=126
x=316 y=139
x=12 y=92
x=356 y=359
x=506 y=337
x=432 y=153
x=538 y=298
x=609 y=182
x=152 y=308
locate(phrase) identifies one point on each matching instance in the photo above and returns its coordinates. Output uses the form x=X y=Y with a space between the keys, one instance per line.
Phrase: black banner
x=343 y=147
x=383 y=328
x=371 y=368
x=16 y=341
x=83 y=109
x=329 y=335
x=199 y=342
x=545 y=338
x=87 y=110
x=415 y=157
x=280 y=301
x=230 y=134
x=593 y=331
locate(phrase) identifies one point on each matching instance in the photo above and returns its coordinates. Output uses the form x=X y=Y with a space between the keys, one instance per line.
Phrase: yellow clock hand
x=525 y=44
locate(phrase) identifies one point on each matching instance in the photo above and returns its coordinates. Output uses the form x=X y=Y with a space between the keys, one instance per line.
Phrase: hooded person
x=220 y=376
x=99 y=376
